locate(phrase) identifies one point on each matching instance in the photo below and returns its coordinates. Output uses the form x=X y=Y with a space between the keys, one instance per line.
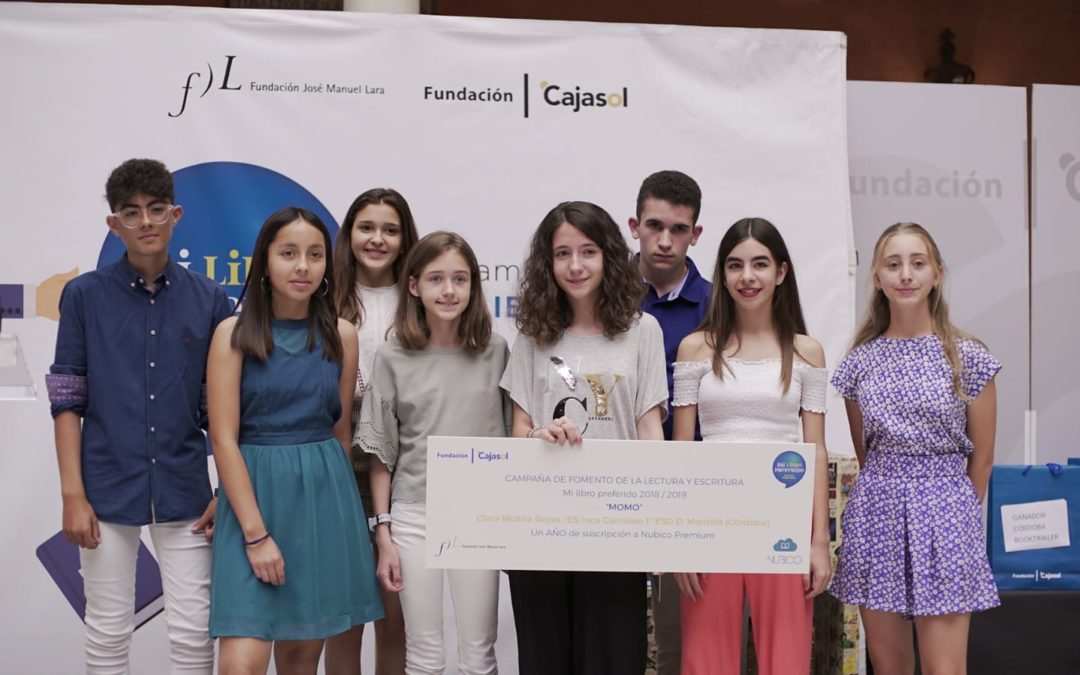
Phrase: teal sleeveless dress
x=307 y=495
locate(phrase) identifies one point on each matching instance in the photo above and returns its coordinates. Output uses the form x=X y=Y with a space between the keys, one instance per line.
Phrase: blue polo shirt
x=132 y=364
x=679 y=312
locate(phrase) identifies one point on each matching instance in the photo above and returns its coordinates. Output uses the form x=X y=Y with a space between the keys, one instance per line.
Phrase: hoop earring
x=325 y=286
x=265 y=282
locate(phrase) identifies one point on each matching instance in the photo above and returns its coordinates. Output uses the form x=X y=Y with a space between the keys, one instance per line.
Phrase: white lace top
x=380 y=304
x=747 y=405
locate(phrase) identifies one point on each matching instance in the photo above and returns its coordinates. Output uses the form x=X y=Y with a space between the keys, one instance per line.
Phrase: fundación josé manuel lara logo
x=225 y=204
x=199 y=83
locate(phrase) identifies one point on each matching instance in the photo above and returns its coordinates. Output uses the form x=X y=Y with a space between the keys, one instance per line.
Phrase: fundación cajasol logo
x=563 y=96
x=225 y=204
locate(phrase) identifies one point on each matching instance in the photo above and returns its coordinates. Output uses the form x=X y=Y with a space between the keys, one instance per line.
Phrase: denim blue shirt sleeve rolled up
x=679 y=313
x=132 y=364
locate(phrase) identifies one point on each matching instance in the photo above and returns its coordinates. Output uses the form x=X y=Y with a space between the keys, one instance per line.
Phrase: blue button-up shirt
x=679 y=313
x=132 y=363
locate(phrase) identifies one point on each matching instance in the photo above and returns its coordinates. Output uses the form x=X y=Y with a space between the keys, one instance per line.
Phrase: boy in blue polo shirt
x=128 y=404
x=668 y=205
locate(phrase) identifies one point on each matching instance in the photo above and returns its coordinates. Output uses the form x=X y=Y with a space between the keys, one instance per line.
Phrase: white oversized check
x=523 y=504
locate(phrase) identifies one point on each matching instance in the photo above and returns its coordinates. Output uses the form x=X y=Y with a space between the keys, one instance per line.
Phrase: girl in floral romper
x=922 y=408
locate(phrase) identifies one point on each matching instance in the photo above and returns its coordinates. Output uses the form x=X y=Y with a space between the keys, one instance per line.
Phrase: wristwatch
x=377 y=520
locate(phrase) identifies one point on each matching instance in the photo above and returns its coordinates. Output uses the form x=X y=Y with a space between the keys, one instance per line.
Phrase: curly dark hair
x=139 y=177
x=543 y=311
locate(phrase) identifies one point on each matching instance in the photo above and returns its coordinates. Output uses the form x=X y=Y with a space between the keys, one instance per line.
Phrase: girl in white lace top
x=375 y=237
x=751 y=374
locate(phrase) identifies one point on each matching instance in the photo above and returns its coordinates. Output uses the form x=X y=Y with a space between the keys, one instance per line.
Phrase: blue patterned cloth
x=913 y=541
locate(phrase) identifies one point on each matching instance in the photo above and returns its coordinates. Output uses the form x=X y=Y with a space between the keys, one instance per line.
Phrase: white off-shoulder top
x=748 y=404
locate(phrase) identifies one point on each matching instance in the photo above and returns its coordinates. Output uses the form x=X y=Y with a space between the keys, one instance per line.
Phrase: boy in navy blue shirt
x=665 y=223
x=128 y=403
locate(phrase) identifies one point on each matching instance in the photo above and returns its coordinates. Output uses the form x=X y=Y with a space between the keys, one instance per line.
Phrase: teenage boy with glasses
x=128 y=404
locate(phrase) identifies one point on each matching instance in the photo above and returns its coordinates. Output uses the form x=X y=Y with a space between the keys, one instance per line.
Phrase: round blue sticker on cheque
x=789 y=467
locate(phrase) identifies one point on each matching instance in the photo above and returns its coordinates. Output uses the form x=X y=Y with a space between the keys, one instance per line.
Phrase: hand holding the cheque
x=560 y=430
x=690 y=584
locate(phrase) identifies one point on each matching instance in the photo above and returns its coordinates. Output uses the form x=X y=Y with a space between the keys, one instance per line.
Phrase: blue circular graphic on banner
x=225 y=204
x=789 y=467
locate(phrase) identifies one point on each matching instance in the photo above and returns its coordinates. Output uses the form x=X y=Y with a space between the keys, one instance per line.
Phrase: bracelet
x=376 y=520
x=258 y=540
x=532 y=432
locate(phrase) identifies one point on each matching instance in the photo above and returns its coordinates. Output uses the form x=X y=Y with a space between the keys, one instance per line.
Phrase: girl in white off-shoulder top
x=751 y=374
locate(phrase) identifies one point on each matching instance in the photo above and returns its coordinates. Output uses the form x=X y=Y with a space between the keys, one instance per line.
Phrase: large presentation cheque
x=523 y=504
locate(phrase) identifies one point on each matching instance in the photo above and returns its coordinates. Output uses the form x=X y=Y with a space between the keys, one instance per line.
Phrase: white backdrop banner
x=484 y=125
x=1055 y=270
x=953 y=160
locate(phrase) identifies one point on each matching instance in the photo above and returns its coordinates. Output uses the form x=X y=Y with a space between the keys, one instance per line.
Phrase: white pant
x=475 y=594
x=109 y=582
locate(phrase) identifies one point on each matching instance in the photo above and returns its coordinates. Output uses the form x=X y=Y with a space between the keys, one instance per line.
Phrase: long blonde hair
x=877 y=318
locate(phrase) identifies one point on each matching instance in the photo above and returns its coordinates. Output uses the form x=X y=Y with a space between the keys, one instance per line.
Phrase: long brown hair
x=721 y=322
x=252 y=335
x=543 y=311
x=349 y=305
x=410 y=322
x=877 y=318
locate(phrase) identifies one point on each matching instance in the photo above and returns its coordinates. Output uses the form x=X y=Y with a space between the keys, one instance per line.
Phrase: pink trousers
x=782 y=620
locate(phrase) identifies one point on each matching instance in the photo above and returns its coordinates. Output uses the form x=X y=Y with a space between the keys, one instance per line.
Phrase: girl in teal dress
x=291 y=566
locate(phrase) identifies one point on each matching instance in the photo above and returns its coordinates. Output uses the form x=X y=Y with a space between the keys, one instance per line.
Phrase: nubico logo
x=785 y=553
x=225 y=205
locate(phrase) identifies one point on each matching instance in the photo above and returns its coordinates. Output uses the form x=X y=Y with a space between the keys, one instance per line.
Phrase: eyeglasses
x=131 y=217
